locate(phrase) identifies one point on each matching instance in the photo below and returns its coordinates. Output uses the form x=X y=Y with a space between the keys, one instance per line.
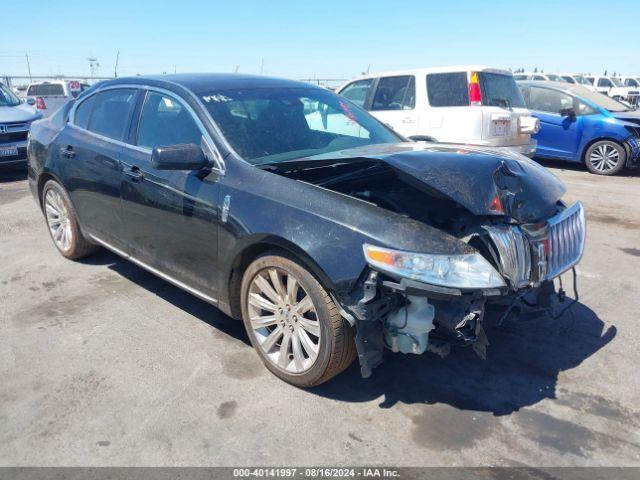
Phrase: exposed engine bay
x=527 y=239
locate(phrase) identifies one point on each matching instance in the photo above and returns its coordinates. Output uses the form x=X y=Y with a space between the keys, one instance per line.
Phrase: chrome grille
x=530 y=254
x=514 y=254
x=565 y=242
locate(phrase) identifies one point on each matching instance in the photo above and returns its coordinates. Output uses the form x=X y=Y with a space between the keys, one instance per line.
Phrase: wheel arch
x=43 y=178
x=253 y=249
x=586 y=146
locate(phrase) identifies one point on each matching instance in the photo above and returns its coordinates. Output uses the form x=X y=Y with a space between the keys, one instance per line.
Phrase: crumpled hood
x=632 y=116
x=471 y=177
x=20 y=113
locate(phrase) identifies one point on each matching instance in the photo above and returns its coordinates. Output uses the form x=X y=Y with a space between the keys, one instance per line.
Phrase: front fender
x=326 y=228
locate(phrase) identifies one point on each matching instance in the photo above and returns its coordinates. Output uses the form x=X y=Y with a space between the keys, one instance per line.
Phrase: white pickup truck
x=48 y=97
x=471 y=105
x=614 y=87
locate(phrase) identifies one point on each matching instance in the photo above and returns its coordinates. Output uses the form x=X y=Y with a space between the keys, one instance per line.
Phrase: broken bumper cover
x=633 y=150
x=392 y=314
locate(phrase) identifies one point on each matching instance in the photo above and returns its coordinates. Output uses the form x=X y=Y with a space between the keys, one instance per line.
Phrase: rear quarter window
x=83 y=112
x=448 y=89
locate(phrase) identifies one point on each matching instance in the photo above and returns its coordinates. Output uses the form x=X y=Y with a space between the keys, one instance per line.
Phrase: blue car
x=579 y=125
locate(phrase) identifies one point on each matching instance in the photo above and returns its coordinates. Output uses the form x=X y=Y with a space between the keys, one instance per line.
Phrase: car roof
x=426 y=70
x=570 y=88
x=206 y=82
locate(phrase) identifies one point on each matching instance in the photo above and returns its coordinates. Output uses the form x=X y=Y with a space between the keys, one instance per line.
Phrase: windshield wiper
x=504 y=101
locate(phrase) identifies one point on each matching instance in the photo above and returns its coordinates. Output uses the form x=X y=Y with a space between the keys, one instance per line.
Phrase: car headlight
x=469 y=270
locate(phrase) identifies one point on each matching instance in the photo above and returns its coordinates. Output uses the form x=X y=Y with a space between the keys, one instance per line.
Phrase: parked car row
x=580 y=125
x=566 y=119
x=473 y=105
x=626 y=89
x=296 y=211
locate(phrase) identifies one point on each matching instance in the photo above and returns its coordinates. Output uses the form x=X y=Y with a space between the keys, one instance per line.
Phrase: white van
x=472 y=105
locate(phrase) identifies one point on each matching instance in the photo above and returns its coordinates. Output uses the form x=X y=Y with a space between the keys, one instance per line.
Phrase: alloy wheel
x=604 y=158
x=284 y=320
x=58 y=219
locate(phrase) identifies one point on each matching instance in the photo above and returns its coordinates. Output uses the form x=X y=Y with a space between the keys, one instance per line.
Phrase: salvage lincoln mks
x=293 y=209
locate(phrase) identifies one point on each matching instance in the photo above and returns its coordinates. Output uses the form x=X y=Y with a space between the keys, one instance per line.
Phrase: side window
x=630 y=82
x=357 y=91
x=395 y=93
x=604 y=82
x=448 y=89
x=83 y=112
x=550 y=101
x=519 y=77
x=590 y=80
x=165 y=121
x=538 y=77
x=584 y=109
x=111 y=111
x=322 y=118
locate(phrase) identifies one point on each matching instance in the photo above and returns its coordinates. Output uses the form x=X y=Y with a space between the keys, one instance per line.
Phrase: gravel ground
x=101 y=363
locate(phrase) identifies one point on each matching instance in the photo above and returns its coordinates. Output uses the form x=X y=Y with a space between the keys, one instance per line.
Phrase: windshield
x=500 y=90
x=271 y=125
x=7 y=97
x=582 y=80
x=600 y=99
x=617 y=82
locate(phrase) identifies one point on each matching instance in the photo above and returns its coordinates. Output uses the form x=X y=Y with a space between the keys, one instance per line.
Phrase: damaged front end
x=509 y=233
x=406 y=315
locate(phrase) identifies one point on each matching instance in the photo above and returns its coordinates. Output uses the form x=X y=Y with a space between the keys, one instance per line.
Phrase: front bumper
x=528 y=150
x=633 y=151
x=19 y=159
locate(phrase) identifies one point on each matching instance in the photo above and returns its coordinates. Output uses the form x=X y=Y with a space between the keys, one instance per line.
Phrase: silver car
x=15 y=120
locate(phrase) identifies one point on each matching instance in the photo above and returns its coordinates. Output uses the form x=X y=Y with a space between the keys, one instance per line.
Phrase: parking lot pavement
x=102 y=363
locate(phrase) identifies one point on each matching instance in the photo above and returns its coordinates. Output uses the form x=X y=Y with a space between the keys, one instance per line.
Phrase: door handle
x=134 y=173
x=67 y=151
x=407 y=120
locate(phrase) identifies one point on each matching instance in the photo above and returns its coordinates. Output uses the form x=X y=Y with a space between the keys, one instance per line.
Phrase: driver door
x=170 y=216
x=559 y=135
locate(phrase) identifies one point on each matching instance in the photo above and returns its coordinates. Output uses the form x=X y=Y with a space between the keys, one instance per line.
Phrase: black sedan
x=290 y=208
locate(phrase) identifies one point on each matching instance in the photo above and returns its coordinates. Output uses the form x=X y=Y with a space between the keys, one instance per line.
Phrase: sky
x=316 y=39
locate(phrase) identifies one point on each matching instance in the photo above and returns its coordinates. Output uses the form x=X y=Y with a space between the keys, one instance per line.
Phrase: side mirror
x=568 y=112
x=184 y=156
x=30 y=101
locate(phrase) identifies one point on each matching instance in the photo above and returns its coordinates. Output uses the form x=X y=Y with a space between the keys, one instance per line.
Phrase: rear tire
x=293 y=323
x=62 y=223
x=605 y=157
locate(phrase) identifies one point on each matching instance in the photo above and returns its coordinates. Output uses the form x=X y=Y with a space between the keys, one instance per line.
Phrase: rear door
x=170 y=216
x=449 y=118
x=394 y=103
x=88 y=152
x=502 y=107
x=559 y=134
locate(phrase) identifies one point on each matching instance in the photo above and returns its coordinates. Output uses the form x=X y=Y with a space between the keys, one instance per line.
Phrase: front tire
x=605 y=157
x=62 y=223
x=293 y=323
